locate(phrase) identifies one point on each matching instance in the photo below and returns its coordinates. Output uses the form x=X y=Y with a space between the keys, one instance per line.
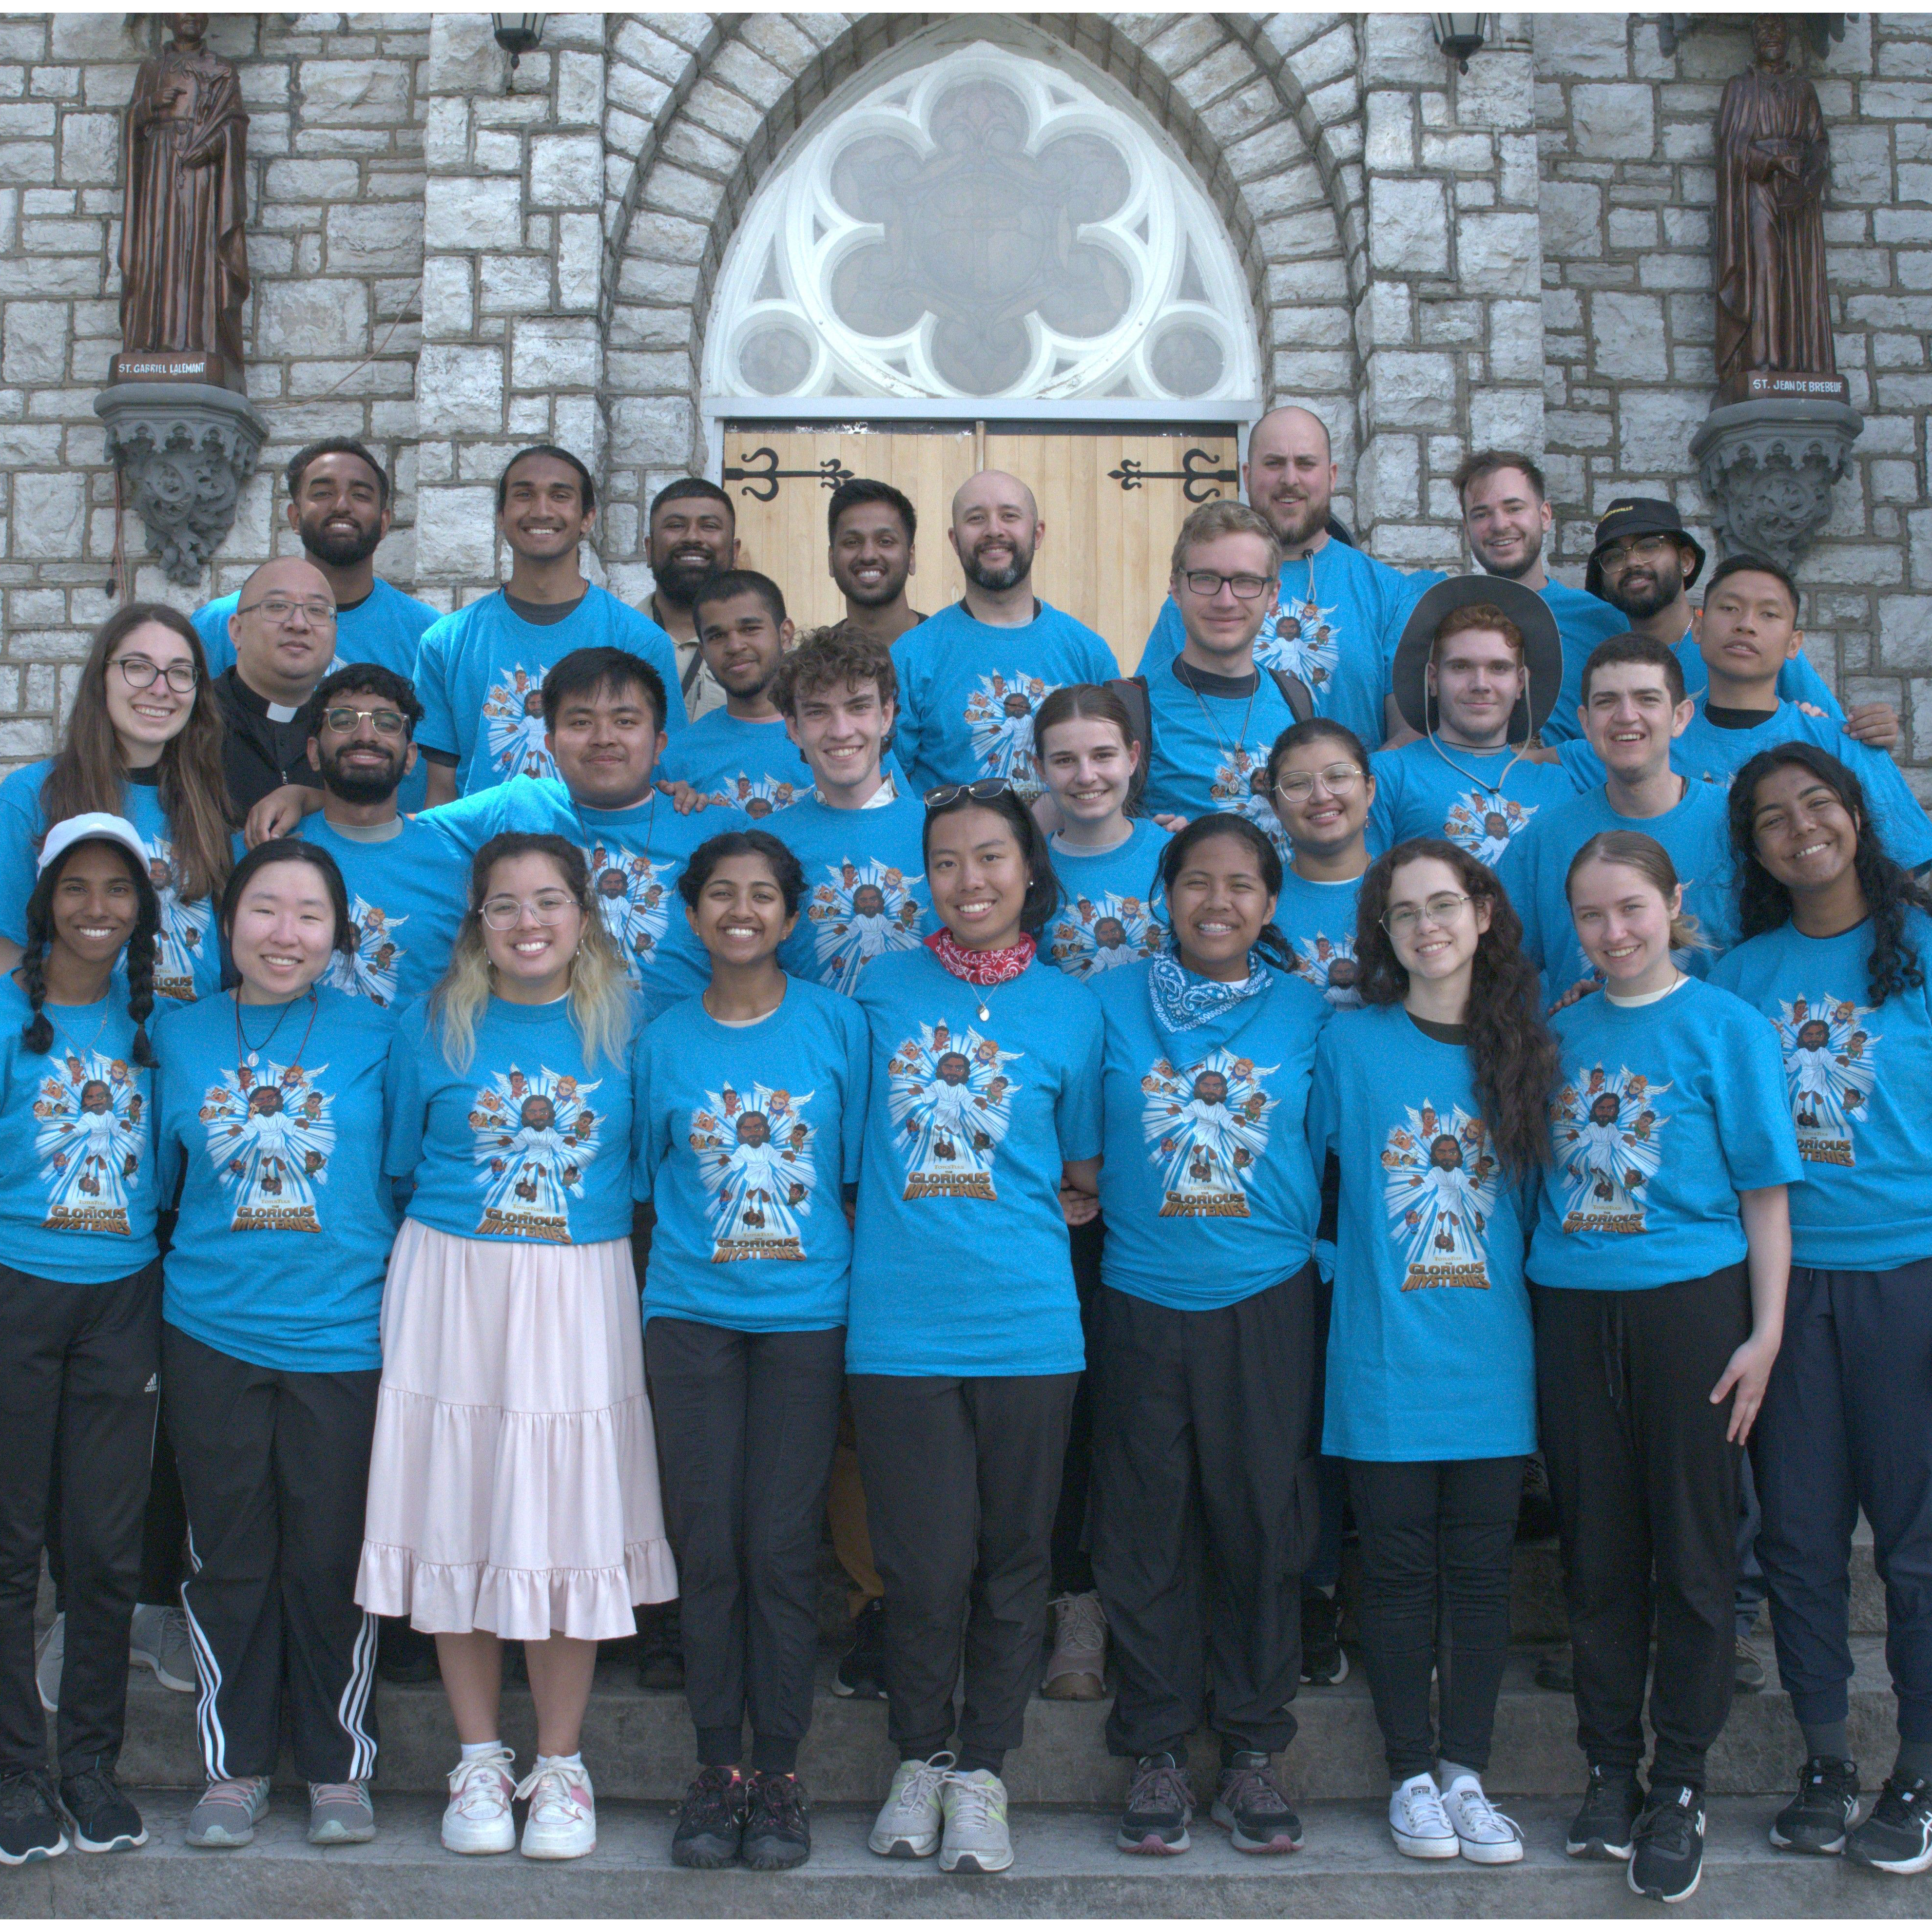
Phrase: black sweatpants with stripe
x=275 y=1469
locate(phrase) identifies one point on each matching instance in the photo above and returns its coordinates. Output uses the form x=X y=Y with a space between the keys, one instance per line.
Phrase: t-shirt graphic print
x=370 y=971
x=1206 y=1126
x=754 y=1157
x=1299 y=637
x=270 y=1131
x=1483 y=823
x=1440 y=1184
x=89 y=1136
x=862 y=909
x=999 y=716
x=535 y=1134
x=1606 y=1136
x=632 y=899
x=1829 y=1068
x=1090 y=935
x=187 y=926
x=513 y=725
x=951 y=1099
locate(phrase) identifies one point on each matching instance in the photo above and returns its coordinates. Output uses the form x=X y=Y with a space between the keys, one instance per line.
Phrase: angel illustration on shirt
x=1441 y=1180
x=999 y=714
x=513 y=725
x=1297 y=638
x=535 y=1135
x=1608 y=1147
x=1483 y=823
x=865 y=908
x=1830 y=1071
x=89 y=1137
x=1206 y=1125
x=1093 y=933
x=754 y=1157
x=185 y=924
x=370 y=971
x=631 y=899
x=270 y=1133
x=951 y=1101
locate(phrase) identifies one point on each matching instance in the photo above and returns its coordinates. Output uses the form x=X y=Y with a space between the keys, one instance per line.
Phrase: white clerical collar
x=281 y=714
x=887 y=794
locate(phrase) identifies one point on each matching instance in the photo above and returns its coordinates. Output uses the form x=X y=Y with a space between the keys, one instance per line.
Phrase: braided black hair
x=1270 y=942
x=1764 y=903
x=139 y=954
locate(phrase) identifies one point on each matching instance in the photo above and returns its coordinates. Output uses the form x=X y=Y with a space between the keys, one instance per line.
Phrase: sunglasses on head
x=984 y=789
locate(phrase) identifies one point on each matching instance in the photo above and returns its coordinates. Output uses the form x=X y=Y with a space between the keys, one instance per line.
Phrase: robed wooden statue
x=1773 y=307
x=184 y=253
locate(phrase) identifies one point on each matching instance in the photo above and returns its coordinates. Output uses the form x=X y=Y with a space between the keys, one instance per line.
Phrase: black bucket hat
x=1640 y=517
x=1542 y=647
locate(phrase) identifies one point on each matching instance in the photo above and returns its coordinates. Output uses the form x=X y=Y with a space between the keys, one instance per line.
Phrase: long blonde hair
x=600 y=991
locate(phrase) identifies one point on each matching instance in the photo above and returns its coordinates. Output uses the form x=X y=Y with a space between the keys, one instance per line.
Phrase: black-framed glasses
x=141 y=672
x=1244 y=584
x=1338 y=781
x=345 y=717
x=1441 y=908
x=983 y=789
x=279 y=610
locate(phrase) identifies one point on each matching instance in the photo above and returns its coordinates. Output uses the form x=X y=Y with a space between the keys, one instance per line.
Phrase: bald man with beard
x=283 y=631
x=1339 y=615
x=971 y=676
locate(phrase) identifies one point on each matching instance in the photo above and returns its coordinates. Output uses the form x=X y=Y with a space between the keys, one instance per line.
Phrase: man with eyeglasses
x=283 y=631
x=340 y=506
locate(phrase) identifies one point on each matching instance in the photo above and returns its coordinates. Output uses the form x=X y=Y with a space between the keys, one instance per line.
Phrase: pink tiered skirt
x=514 y=1483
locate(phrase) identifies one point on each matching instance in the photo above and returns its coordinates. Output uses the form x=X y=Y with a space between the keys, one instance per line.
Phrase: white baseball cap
x=86 y=825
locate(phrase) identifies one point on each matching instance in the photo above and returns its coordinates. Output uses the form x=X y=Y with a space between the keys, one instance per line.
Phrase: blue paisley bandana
x=1181 y=999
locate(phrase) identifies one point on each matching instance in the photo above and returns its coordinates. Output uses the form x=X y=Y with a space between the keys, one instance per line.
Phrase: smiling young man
x=603 y=709
x=690 y=534
x=971 y=676
x=1477 y=674
x=740 y=754
x=284 y=632
x=1633 y=711
x=871 y=526
x=1338 y=613
x=480 y=671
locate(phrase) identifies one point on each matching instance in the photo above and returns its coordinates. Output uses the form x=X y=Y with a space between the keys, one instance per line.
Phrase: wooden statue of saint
x=1774 y=307
x=183 y=253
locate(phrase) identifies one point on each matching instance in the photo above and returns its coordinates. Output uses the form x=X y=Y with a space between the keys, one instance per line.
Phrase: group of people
x=519 y=1105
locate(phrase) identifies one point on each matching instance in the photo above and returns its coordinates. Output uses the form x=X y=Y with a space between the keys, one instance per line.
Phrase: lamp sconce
x=1459 y=36
x=517 y=34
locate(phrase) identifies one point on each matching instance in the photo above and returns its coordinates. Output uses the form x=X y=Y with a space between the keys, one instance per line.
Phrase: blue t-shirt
x=77 y=1188
x=1335 y=626
x=1665 y=1114
x=1859 y=1082
x=746 y=1136
x=479 y=674
x=1583 y=623
x=407 y=897
x=750 y=763
x=1695 y=832
x=187 y=951
x=1112 y=911
x=1317 y=917
x=1430 y=1352
x=530 y=1142
x=384 y=629
x=286 y=1218
x=967 y=692
x=1210 y=752
x=636 y=857
x=1207 y=1188
x=866 y=894
x=960 y=1265
x=1479 y=800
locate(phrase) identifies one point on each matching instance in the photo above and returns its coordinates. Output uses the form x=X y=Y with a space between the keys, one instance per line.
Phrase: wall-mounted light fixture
x=517 y=34
x=1459 y=35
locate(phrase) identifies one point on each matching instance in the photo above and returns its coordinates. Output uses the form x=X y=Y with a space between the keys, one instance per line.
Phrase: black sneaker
x=1160 y=1805
x=861 y=1670
x=1816 y=1819
x=1898 y=1836
x=31 y=1824
x=1667 y=1844
x=778 y=1823
x=1748 y=1667
x=1323 y=1659
x=1602 y=1828
x=711 y=1820
x=1251 y=1807
x=660 y=1648
x=100 y=1816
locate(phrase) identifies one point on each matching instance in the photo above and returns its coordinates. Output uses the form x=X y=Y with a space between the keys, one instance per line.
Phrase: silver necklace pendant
x=254 y=1060
x=983 y=1014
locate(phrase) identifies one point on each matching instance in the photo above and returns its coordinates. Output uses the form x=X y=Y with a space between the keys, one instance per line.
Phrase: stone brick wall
x=1628 y=184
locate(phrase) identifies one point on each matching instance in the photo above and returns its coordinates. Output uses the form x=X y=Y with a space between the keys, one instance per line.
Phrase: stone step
x=1065 y=1866
x=638 y=1743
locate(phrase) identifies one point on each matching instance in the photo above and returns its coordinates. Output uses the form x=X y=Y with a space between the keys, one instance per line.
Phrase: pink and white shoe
x=562 y=1819
x=477 y=1819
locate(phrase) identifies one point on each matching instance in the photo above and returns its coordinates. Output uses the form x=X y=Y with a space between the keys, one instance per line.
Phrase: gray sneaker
x=158 y=1638
x=1077 y=1669
x=340 y=1814
x=976 y=1837
x=49 y=1654
x=230 y=1810
x=911 y=1820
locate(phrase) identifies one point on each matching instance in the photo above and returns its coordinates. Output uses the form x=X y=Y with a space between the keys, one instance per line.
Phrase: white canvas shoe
x=1485 y=1836
x=1417 y=1822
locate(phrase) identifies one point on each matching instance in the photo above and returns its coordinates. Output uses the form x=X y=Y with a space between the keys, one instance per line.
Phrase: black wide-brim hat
x=1542 y=648
x=1640 y=516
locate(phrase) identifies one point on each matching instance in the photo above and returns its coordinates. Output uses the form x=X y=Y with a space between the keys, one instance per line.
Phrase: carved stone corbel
x=1768 y=465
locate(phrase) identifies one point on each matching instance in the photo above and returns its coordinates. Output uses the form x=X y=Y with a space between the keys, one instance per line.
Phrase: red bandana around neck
x=993 y=968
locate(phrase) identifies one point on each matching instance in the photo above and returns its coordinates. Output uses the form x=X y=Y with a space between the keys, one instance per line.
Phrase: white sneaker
x=49 y=1654
x=158 y=1638
x=1077 y=1667
x=1417 y=1822
x=911 y=1820
x=477 y=1818
x=976 y=1837
x=1486 y=1837
x=562 y=1819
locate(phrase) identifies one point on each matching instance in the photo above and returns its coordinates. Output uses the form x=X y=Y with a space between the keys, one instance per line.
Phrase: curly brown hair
x=1515 y=1053
x=832 y=656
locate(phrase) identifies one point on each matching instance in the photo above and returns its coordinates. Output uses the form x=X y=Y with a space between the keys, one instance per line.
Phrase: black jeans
x=961 y=1475
x=1646 y=1488
x=1205 y=1512
x=1073 y=1558
x=275 y=1468
x=745 y=1426
x=78 y=1369
x=1846 y=1424
x=1437 y=1542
